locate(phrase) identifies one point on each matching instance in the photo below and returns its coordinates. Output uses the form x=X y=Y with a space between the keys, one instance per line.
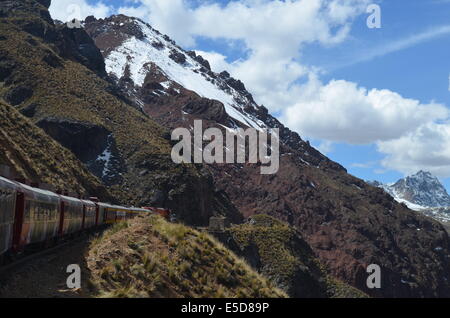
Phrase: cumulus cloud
x=66 y=10
x=343 y=112
x=427 y=146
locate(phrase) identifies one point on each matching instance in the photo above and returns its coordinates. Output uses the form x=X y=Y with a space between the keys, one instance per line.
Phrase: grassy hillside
x=279 y=253
x=37 y=157
x=149 y=257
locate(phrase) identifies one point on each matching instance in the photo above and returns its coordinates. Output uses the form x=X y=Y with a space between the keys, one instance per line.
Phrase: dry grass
x=37 y=157
x=150 y=257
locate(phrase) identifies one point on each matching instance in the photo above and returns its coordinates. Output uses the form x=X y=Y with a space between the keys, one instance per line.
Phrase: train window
x=27 y=212
x=40 y=211
x=73 y=211
x=7 y=204
x=68 y=211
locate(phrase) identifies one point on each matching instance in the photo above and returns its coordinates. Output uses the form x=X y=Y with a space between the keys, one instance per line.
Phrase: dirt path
x=45 y=276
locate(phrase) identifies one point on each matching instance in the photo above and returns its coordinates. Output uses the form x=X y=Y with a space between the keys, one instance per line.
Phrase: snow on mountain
x=421 y=192
x=161 y=78
x=134 y=54
x=422 y=189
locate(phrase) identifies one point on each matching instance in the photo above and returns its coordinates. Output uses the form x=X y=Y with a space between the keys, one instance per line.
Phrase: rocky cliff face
x=348 y=223
x=279 y=252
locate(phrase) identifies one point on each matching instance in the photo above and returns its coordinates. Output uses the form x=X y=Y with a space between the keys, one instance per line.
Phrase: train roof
x=105 y=205
x=141 y=210
x=71 y=200
x=88 y=202
x=38 y=194
x=8 y=184
x=121 y=208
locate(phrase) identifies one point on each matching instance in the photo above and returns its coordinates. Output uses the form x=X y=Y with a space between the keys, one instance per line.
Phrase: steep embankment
x=149 y=257
x=279 y=252
x=37 y=157
x=53 y=75
x=348 y=224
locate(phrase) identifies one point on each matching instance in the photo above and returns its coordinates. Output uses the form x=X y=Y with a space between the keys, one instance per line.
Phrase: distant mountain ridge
x=420 y=192
x=421 y=189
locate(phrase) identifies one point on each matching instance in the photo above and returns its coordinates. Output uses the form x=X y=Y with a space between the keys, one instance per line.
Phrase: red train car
x=89 y=214
x=165 y=213
x=32 y=217
x=37 y=216
x=71 y=220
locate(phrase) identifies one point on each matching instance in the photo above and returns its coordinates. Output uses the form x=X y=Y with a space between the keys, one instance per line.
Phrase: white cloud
x=343 y=112
x=427 y=147
x=325 y=146
x=66 y=10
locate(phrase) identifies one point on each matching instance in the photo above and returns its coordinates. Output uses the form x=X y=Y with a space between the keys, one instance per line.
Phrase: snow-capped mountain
x=162 y=78
x=145 y=47
x=422 y=189
x=420 y=192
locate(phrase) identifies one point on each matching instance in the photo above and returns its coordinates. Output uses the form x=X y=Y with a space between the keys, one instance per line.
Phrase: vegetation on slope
x=149 y=257
x=37 y=157
x=279 y=253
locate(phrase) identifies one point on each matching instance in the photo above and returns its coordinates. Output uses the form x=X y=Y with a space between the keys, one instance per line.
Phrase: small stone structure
x=218 y=224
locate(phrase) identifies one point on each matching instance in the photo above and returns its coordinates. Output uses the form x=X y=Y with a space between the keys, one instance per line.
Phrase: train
x=33 y=218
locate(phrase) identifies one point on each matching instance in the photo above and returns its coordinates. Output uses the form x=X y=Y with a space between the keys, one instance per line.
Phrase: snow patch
x=136 y=53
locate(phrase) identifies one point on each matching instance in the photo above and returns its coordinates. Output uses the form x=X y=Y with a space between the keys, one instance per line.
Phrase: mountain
x=160 y=77
x=422 y=189
x=279 y=252
x=421 y=192
x=347 y=223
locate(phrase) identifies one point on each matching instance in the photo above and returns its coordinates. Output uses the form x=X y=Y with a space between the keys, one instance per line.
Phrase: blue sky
x=398 y=74
x=420 y=72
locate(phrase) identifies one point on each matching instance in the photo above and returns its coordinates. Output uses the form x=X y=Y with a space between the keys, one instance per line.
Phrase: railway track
x=25 y=259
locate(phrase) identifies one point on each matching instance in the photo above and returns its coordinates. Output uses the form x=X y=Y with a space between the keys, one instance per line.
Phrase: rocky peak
x=420 y=190
x=423 y=189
